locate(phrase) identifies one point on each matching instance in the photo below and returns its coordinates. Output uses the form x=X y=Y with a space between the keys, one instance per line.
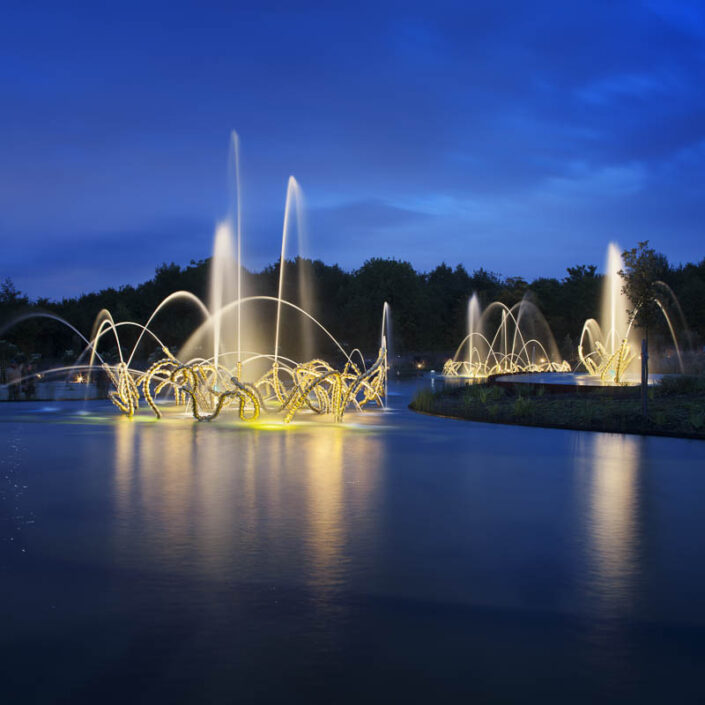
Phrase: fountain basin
x=571 y=379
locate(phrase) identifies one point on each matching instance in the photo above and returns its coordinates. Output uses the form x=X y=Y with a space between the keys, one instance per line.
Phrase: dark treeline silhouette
x=428 y=309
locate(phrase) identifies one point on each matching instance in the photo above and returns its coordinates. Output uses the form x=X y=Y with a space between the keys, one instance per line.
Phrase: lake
x=394 y=558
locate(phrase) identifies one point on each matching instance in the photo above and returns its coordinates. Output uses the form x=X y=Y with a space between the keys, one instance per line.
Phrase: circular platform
x=576 y=379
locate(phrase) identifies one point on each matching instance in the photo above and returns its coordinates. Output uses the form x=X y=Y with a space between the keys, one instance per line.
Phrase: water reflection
x=247 y=503
x=609 y=466
x=326 y=535
x=124 y=459
x=154 y=485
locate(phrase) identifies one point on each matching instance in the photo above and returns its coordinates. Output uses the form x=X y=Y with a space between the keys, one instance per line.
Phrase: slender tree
x=643 y=267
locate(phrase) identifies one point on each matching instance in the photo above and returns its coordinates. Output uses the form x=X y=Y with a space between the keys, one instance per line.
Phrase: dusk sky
x=517 y=136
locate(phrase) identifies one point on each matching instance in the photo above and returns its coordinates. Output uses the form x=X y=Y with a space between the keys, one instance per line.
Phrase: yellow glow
x=608 y=465
x=206 y=388
x=609 y=367
x=506 y=350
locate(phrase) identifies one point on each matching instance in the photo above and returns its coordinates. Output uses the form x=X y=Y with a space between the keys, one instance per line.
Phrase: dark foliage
x=677 y=407
x=428 y=309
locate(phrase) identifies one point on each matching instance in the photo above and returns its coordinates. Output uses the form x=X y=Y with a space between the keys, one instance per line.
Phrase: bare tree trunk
x=645 y=375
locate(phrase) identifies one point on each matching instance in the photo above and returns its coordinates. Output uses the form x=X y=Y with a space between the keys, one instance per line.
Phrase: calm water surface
x=397 y=558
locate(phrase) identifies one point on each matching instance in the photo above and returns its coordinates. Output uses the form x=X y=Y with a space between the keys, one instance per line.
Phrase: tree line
x=429 y=309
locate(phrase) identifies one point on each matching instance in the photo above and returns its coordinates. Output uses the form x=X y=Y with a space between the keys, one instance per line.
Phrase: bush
x=423 y=400
x=660 y=418
x=523 y=407
x=697 y=419
x=496 y=393
x=673 y=385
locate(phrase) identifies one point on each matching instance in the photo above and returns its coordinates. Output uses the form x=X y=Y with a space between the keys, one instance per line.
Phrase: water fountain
x=607 y=349
x=504 y=340
x=239 y=371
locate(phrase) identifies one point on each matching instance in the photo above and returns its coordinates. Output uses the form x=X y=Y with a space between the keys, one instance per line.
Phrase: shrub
x=697 y=419
x=523 y=407
x=660 y=418
x=423 y=400
x=495 y=393
x=681 y=384
x=468 y=402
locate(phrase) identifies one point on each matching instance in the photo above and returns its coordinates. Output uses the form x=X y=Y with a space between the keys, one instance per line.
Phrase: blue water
x=397 y=558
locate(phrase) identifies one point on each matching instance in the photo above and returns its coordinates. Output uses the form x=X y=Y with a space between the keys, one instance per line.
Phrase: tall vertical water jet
x=236 y=218
x=223 y=288
x=200 y=376
x=385 y=342
x=232 y=329
x=307 y=298
x=294 y=215
x=225 y=281
x=522 y=341
x=608 y=348
x=474 y=314
x=605 y=348
x=614 y=318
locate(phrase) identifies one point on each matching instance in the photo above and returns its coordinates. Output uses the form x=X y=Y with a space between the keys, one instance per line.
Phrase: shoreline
x=556 y=427
x=676 y=407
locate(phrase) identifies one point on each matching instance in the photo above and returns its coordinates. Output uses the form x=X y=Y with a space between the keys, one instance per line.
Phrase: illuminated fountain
x=608 y=349
x=226 y=362
x=503 y=340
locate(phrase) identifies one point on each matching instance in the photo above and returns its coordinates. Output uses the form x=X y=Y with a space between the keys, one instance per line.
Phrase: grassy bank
x=676 y=407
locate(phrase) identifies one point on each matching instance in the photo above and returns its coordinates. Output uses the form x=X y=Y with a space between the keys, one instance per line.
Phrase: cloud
x=595 y=184
x=639 y=86
x=471 y=132
x=66 y=264
x=375 y=214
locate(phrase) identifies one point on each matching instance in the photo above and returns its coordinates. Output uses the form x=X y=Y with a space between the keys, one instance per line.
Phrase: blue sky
x=520 y=137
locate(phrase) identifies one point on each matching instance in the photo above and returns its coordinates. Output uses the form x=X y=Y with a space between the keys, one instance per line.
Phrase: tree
x=643 y=267
x=9 y=293
x=580 y=298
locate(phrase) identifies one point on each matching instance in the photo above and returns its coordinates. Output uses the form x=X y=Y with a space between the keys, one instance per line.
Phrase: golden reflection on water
x=253 y=502
x=326 y=531
x=610 y=469
x=154 y=483
x=124 y=458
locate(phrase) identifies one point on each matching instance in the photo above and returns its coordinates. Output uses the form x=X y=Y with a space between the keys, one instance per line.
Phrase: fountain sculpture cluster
x=237 y=373
x=241 y=371
x=609 y=348
x=503 y=340
x=516 y=340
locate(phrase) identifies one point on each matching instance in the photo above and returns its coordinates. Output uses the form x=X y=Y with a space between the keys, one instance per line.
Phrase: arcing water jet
x=206 y=385
x=607 y=349
x=503 y=340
